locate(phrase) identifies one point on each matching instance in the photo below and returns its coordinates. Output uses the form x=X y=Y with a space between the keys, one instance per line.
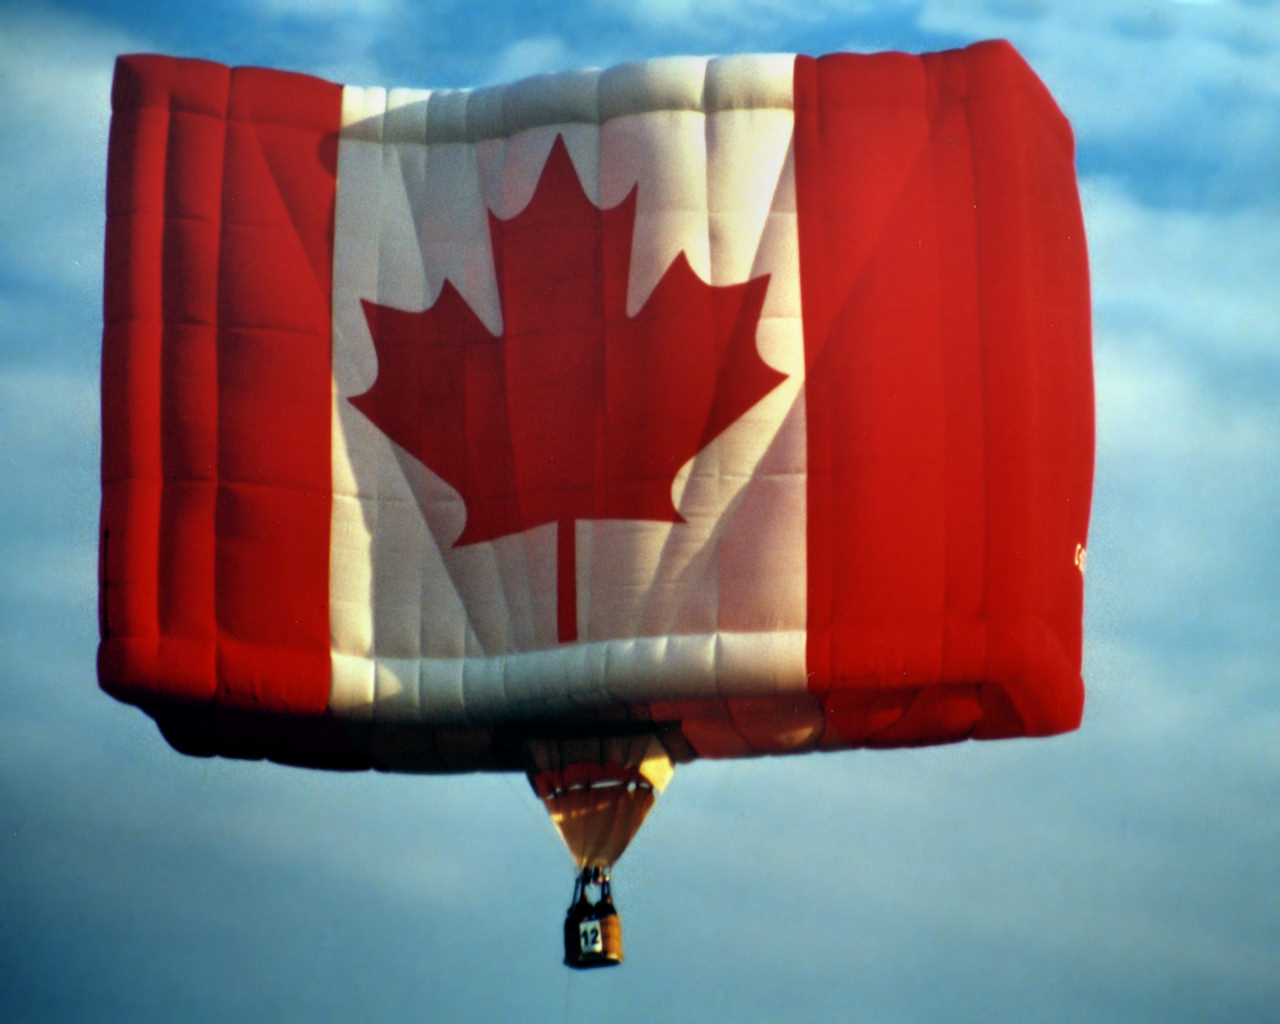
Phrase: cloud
x=1187 y=371
x=1202 y=279
x=1185 y=311
x=764 y=22
x=55 y=84
x=337 y=10
x=1180 y=100
x=1181 y=593
x=694 y=14
x=49 y=422
x=48 y=528
x=532 y=55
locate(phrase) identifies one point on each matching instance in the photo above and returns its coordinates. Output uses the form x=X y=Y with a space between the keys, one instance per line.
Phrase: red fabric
x=949 y=396
x=216 y=386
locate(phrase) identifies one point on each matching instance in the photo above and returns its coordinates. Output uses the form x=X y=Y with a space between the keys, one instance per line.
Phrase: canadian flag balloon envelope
x=595 y=423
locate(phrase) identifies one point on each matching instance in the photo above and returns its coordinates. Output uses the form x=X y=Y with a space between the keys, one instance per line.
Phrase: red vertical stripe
x=1036 y=326
x=217 y=385
x=949 y=397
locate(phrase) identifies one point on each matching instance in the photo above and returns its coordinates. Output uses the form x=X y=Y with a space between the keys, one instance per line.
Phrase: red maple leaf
x=577 y=410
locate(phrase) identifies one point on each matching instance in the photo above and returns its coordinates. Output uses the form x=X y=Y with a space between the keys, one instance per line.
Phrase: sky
x=1124 y=872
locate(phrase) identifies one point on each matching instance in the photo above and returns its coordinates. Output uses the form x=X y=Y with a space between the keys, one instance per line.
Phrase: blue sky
x=1126 y=872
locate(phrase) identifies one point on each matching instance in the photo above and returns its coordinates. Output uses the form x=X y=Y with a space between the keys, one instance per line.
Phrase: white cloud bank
x=55 y=84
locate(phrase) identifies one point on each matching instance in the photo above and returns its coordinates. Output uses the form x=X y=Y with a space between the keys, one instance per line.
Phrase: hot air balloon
x=595 y=423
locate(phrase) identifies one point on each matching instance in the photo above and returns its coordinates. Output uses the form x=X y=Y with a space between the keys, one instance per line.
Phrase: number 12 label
x=589 y=937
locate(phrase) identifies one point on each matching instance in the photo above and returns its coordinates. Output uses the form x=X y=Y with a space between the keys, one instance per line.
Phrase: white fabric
x=426 y=631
